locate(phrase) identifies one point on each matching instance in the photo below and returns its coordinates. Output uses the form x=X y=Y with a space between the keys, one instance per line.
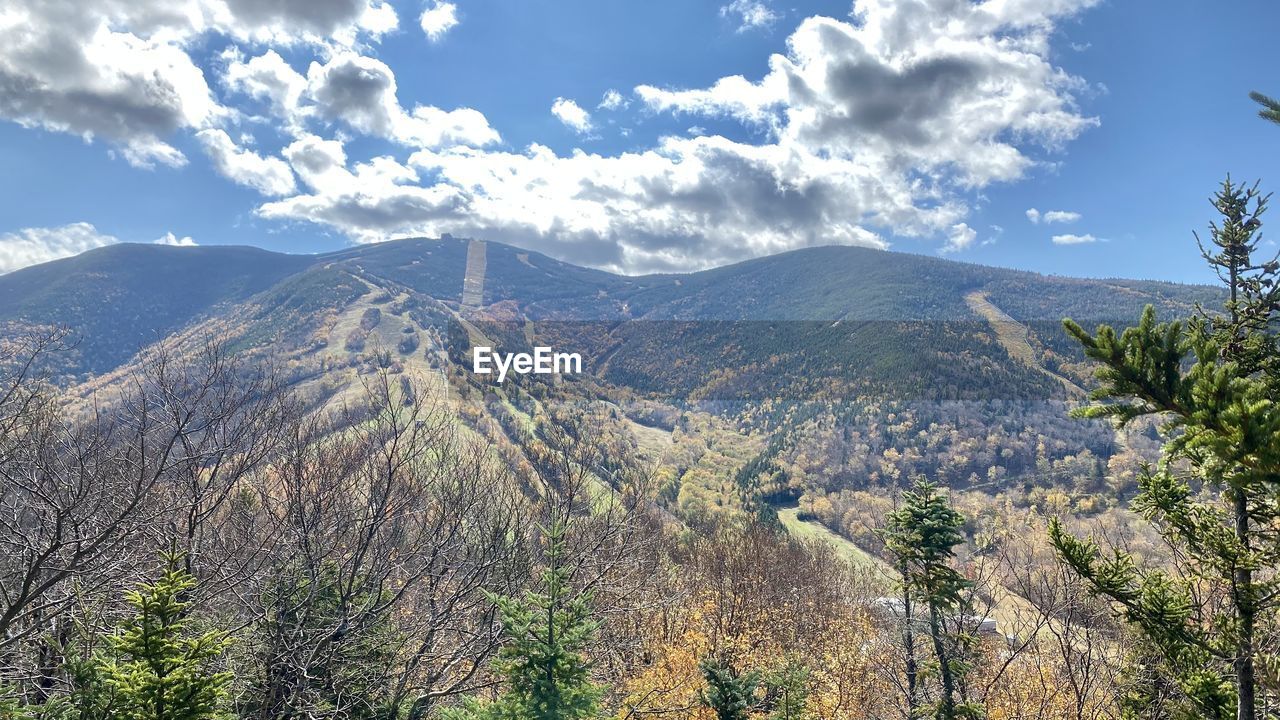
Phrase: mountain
x=796 y=387
x=788 y=324
x=119 y=298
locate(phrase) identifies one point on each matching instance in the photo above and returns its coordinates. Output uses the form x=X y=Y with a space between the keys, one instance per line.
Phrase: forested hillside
x=342 y=520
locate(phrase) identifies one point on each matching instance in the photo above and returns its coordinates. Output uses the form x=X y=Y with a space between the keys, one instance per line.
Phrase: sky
x=1072 y=137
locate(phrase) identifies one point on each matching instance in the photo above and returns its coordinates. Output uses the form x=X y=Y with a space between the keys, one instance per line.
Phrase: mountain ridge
x=152 y=291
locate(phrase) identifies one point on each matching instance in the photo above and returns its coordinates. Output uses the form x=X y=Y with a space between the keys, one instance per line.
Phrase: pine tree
x=1222 y=423
x=543 y=664
x=922 y=535
x=1270 y=107
x=1244 y=332
x=325 y=648
x=786 y=688
x=157 y=668
x=731 y=695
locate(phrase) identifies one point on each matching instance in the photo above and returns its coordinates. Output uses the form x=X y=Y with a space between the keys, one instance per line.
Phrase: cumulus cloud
x=1052 y=216
x=572 y=115
x=886 y=125
x=121 y=71
x=613 y=100
x=174 y=240
x=361 y=92
x=438 y=19
x=749 y=14
x=940 y=87
x=960 y=237
x=286 y=21
x=689 y=202
x=736 y=97
x=31 y=246
x=373 y=201
x=353 y=90
x=1075 y=239
x=267 y=175
x=267 y=78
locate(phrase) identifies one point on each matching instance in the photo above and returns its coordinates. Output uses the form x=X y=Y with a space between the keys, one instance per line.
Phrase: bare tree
x=86 y=490
x=391 y=529
x=1066 y=631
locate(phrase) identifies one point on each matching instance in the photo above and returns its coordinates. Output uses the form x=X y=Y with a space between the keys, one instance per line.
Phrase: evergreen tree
x=1270 y=107
x=729 y=694
x=910 y=664
x=543 y=663
x=786 y=689
x=922 y=535
x=1244 y=332
x=1213 y=381
x=157 y=668
x=324 y=647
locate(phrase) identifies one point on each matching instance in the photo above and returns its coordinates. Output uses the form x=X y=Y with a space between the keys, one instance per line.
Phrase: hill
x=120 y=298
x=797 y=387
x=787 y=324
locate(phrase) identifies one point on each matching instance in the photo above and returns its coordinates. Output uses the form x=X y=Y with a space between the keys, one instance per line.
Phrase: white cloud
x=890 y=124
x=749 y=14
x=960 y=237
x=32 y=246
x=174 y=240
x=267 y=175
x=572 y=115
x=361 y=91
x=941 y=87
x=270 y=79
x=372 y=201
x=357 y=91
x=613 y=100
x=1061 y=216
x=120 y=71
x=690 y=202
x=1075 y=239
x=1052 y=216
x=438 y=20
x=735 y=97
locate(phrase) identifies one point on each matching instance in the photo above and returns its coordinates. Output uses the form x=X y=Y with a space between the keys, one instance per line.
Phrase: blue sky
x=930 y=126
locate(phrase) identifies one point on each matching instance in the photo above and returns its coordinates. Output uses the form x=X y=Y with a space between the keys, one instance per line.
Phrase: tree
x=1213 y=381
x=922 y=535
x=786 y=689
x=83 y=486
x=543 y=664
x=1270 y=107
x=385 y=528
x=908 y=633
x=729 y=693
x=157 y=668
x=1244 y=333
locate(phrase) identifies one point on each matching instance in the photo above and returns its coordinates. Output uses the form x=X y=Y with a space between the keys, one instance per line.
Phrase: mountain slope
x=827 y=319
x=117 y=299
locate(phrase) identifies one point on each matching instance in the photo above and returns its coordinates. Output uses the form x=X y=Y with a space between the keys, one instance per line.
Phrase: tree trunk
x=947 y=710
x=909 y=645
x=1246 y=703
x=1243 y=595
